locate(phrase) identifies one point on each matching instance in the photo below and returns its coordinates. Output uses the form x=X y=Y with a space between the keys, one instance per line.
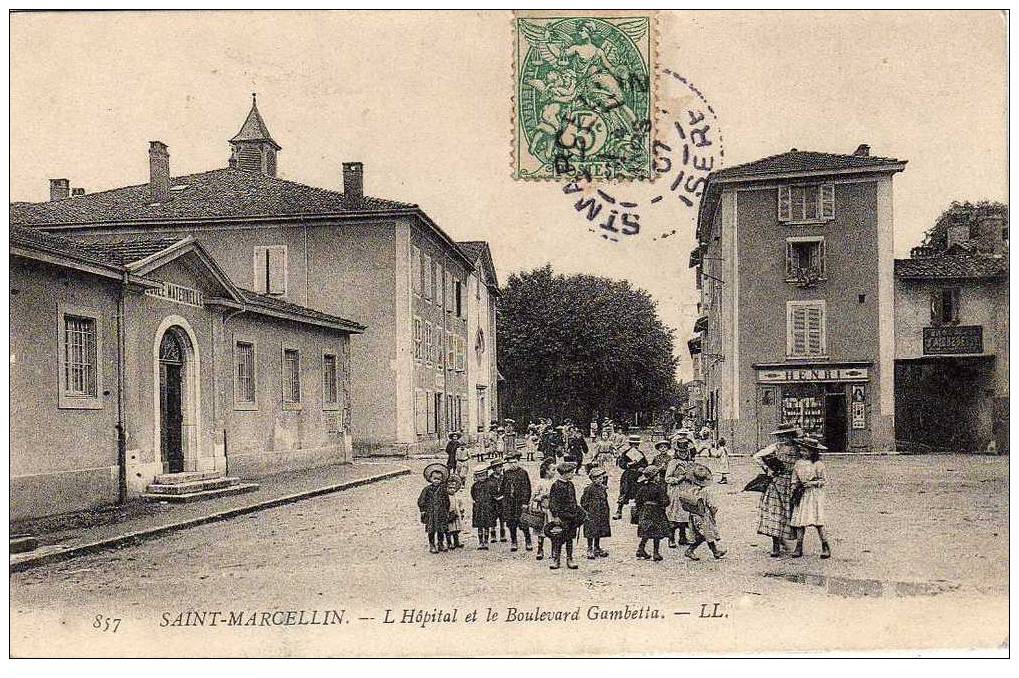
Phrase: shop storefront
x=831 y=402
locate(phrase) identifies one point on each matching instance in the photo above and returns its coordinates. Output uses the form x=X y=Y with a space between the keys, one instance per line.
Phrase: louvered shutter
x=827 y=198
x=790 y=259
x=798 y=320
x=936 y=307
x=820 y=258
x=784 y=203
x=814 y=319
x=277 y=280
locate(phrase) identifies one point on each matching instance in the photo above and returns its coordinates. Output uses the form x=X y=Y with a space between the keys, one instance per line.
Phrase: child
x=809 y=494
x=496 y=473
x=652 y=523
x=701 y=503
x=456 y=513
x=564 y=512
x=483 y=515
x=595 y=501
x=675 y=472
x=463 y=463
x=722 y=461
x=433 y=502
x=516 y=494
x=540 y=499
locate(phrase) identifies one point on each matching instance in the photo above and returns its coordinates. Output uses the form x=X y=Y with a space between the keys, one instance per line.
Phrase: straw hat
x=663 y=445
x=699 y=474
x=436 y=467
x=566 y=467
x=634 y=438
x=481 y=472
x=512 y=455
x=811 y=442
x=787 y=427
x=455 y=435
x=597 y=472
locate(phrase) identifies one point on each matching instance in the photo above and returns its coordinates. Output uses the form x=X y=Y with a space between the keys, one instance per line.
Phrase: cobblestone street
x=912 y=538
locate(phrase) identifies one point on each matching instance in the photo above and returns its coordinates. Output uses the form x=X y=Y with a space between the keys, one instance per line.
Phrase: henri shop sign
x=800 y=374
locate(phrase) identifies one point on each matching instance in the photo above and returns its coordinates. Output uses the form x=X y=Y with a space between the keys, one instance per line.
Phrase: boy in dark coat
x=433 y=502
x=496 y=467
x=576 y=449
x=483 y=497
x=652 y=522
x=516 y=493
x=632 y=461
x=451 y=448
x=566 y=512
x=595 y=501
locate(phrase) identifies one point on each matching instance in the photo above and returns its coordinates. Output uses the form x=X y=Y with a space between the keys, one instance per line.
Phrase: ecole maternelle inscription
x=424 y=618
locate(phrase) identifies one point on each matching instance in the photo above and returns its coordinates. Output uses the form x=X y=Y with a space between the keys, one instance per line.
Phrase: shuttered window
x=428 y=343
x=814 y=202
x=330 y=391
x=418 y=339
x=427 y=286
x=270 y=270
x=415 y=270
x=804 y=258
x=806 y=329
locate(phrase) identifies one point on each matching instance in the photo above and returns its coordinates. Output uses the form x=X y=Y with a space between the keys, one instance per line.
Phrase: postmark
x=584 y=98
x=688 y=147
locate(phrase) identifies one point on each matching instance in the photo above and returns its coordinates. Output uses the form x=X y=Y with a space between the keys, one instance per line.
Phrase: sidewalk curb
x=153 y=532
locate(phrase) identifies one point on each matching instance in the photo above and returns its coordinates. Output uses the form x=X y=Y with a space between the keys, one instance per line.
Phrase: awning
x=701 y=324
x=696 y=257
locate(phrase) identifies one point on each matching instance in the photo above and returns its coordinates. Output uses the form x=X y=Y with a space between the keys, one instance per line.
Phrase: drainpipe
x=226 y=455
x=121 y=433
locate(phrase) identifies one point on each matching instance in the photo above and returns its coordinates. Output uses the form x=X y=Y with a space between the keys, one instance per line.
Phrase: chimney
x=353 y=180
x=863 y=150
x=159 y=172
x=76 y=192
x=59 y=189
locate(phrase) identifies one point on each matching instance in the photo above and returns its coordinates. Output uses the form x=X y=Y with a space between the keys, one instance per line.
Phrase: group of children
x=670 y=495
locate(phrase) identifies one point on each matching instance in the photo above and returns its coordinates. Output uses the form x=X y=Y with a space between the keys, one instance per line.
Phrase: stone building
x=483 y=373
x=139 y=367
x=951 y=342
x=342 y=252
x=795 y=266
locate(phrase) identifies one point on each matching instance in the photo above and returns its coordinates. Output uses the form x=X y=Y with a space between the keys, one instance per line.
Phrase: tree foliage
x=959 y=214
x=582 y=347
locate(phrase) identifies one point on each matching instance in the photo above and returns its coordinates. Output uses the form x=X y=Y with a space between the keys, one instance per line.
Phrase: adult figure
x=516 y=493
x=775 y=509
x=632 y=461
x=451 y=447
x=564 y=512
x=675 y=472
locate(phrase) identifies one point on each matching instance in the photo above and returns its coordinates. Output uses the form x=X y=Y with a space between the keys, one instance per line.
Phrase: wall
x=58 y=457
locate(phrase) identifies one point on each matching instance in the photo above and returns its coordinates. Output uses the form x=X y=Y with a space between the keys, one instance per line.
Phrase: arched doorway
x=174 y=349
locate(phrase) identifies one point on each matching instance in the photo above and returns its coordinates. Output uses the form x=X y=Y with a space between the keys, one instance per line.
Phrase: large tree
x=958 y=214
x=582 y=347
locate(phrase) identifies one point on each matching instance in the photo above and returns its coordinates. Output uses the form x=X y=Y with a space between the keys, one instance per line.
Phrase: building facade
x=341 y=252
x=951 y=343
x=142 y=360
x=795 y=267
x=483 y=375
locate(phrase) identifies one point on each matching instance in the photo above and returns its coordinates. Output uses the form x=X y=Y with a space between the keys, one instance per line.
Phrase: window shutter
x=277 y=279
x=815 y=330
x=790 y=260
x=936 y=306
x=827 y=197
x=259 y=268
x=784 y=203
x=799 y=330
x=820 y=258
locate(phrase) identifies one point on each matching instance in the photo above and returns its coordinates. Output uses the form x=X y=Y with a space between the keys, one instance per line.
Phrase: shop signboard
x=953 y=340
x=811 y=374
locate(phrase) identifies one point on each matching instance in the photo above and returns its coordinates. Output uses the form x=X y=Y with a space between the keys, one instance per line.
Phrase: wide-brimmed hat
x=811 y=442
x=663 y=444
x=633 y=438
x=481 y=471
x=436 y=467
x=699 y=474
x=597 y=472
x=495 y=463
x=512 y=456
x=455 y=434
x=566 y=467
x=786 y=427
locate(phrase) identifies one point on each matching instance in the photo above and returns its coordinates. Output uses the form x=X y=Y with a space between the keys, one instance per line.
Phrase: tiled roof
x=73 y=249
x=952 y=266
x=795 y=161
x=216 y=194
x=275 y=304
x=139 y=247
x=473 y=248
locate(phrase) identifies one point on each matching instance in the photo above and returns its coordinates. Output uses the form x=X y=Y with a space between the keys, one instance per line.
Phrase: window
x=442 y=299
x=430 y=412
x=426 y=283
x=804 y=258
x=418 y=349
x=80 y=346
x=270 y=266
x=458 y=298
x=330 y=386
x=451 y=350
x=415 y=270
x=244 y=376
x=291 y=376
x=805 y=329
x=945 y=306
x=477 y=289
x=440 y=347
x=799 y=204
x=428 y=344
x=435 y=283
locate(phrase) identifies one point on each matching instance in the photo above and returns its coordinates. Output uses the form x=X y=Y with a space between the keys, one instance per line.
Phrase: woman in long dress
x=808 y=481
x=775 y=509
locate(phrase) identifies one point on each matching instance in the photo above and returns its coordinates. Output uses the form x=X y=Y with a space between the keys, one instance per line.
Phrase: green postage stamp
x=584 y=96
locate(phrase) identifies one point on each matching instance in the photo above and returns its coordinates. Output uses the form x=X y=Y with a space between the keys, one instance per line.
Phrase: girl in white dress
x=809 y=495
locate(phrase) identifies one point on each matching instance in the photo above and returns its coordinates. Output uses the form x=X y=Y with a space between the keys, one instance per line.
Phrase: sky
x=424 y=99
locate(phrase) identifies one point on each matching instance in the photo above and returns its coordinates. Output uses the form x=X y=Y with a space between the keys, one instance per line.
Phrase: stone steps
x=191 y=486
x=185 y=477
x=235 y=487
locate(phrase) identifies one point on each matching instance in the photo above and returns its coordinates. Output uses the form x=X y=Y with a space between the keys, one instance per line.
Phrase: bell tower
x=253 y=149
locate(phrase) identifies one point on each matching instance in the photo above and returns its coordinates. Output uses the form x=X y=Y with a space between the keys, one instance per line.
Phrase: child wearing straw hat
x=809 y=497
x=650 y=503
x=698 y=498
x=595 y=501
x=484 y=508
x=632 y=461
x=433 y=502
